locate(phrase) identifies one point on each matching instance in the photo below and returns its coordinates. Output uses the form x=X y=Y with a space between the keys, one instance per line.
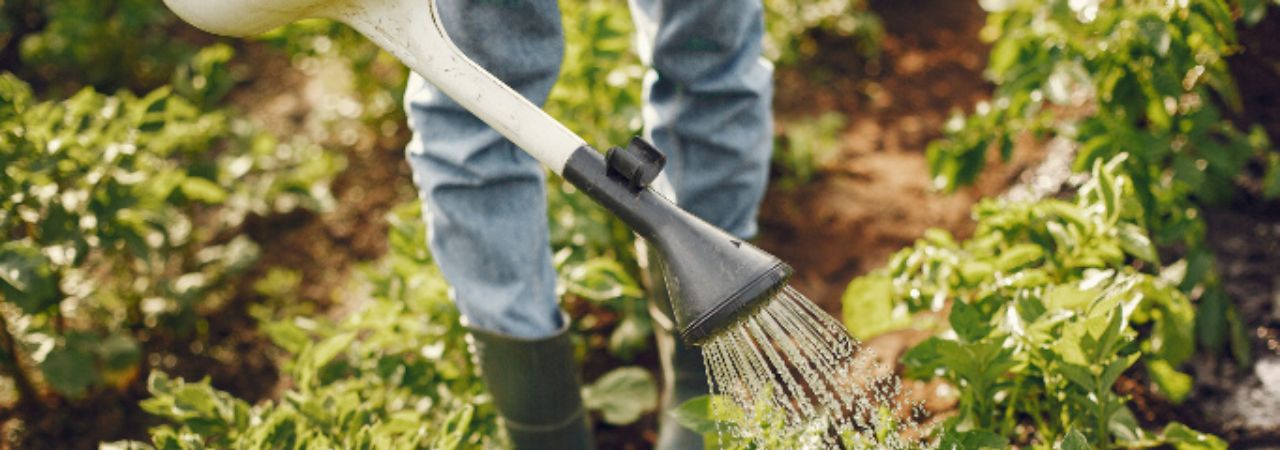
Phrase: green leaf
x=1185 y=438
x=196 y=398
x=1018 y=256
x=1079 y=375
x=695 y=415
x=202 y=190
x=119 y=352
x=1111 y=336
x=1074 y=440
x=69 y=371
x=1271 y=181
x=1211 y=319
x=976 y=272
x=1175 y=385
x=1173 y=337
x=287 y=335
x=925 y=358
x=1115 y=369
x=26 y=277
x=1124 y=426
x=631 y=335
x=1156 y=32
x=972 y=440
x=455 y=430
x=1253 y=11
x=622 y=395
x=1068 y=297
x=1134 y=241
x=330 y=348
x=869 y=307
x=1106 y=185
x=125 y=445
x=968 y=322
x=1241 y=346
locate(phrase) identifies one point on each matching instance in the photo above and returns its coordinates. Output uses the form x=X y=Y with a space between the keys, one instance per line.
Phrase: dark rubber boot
x=534 y=383
x=684 y=375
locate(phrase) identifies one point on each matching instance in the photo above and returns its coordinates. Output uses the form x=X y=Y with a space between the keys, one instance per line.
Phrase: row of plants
x=1051 y=302
x=394 y=372
x=1039 y=314
x=124 y=218
x=121 y=222
x=1034 y=320
x=128 y=187
x=1146 y=78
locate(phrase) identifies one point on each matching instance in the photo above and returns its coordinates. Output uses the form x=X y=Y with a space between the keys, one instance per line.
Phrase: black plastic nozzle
x=713 y=277
x=639 y=163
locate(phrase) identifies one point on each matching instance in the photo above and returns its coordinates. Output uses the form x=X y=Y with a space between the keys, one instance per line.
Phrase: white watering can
x=411 y=30
x=712 y=276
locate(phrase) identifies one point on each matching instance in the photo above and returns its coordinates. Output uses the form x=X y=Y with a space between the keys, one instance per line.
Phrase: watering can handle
x=412 y=31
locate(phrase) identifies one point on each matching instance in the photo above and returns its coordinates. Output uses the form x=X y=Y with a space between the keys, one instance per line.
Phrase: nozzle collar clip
x=639 y=164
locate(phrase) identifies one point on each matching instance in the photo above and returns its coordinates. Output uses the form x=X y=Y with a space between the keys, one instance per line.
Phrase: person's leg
x=708 y=104
x=708 y=99
x=485 y=204
x=484 y=198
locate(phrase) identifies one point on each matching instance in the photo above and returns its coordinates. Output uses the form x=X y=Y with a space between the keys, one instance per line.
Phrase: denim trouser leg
x=485 y=199
x=708 y=104
x=708 y=101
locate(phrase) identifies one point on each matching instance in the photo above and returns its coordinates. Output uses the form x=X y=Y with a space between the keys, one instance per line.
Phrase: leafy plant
x=1149 y=78
x=118 y=218
x=394 y=373
x=793 y=25
x=1050 y=303
x=55 y=41
x=804 y=146
x=720 y=421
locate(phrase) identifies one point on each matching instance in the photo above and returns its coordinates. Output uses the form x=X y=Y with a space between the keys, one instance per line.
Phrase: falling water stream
x=791 y=365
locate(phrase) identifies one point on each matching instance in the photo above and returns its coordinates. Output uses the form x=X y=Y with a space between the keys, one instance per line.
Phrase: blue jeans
x=708 y=97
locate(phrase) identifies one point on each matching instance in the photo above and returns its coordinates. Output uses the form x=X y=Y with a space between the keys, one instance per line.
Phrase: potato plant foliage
x=119 y=219
x=1142 y=77
x=1045 y=308
x=394 y=373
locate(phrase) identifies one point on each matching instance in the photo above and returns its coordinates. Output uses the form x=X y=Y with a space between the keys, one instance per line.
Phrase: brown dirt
x=876 y=197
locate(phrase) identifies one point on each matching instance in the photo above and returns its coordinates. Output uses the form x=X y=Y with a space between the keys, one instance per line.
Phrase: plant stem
x=28 y=395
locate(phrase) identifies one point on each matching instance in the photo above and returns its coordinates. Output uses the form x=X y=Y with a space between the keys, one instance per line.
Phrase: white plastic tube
x=411 y=30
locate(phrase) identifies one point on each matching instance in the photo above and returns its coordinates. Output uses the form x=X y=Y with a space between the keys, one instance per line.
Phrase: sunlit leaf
x=622 y=395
